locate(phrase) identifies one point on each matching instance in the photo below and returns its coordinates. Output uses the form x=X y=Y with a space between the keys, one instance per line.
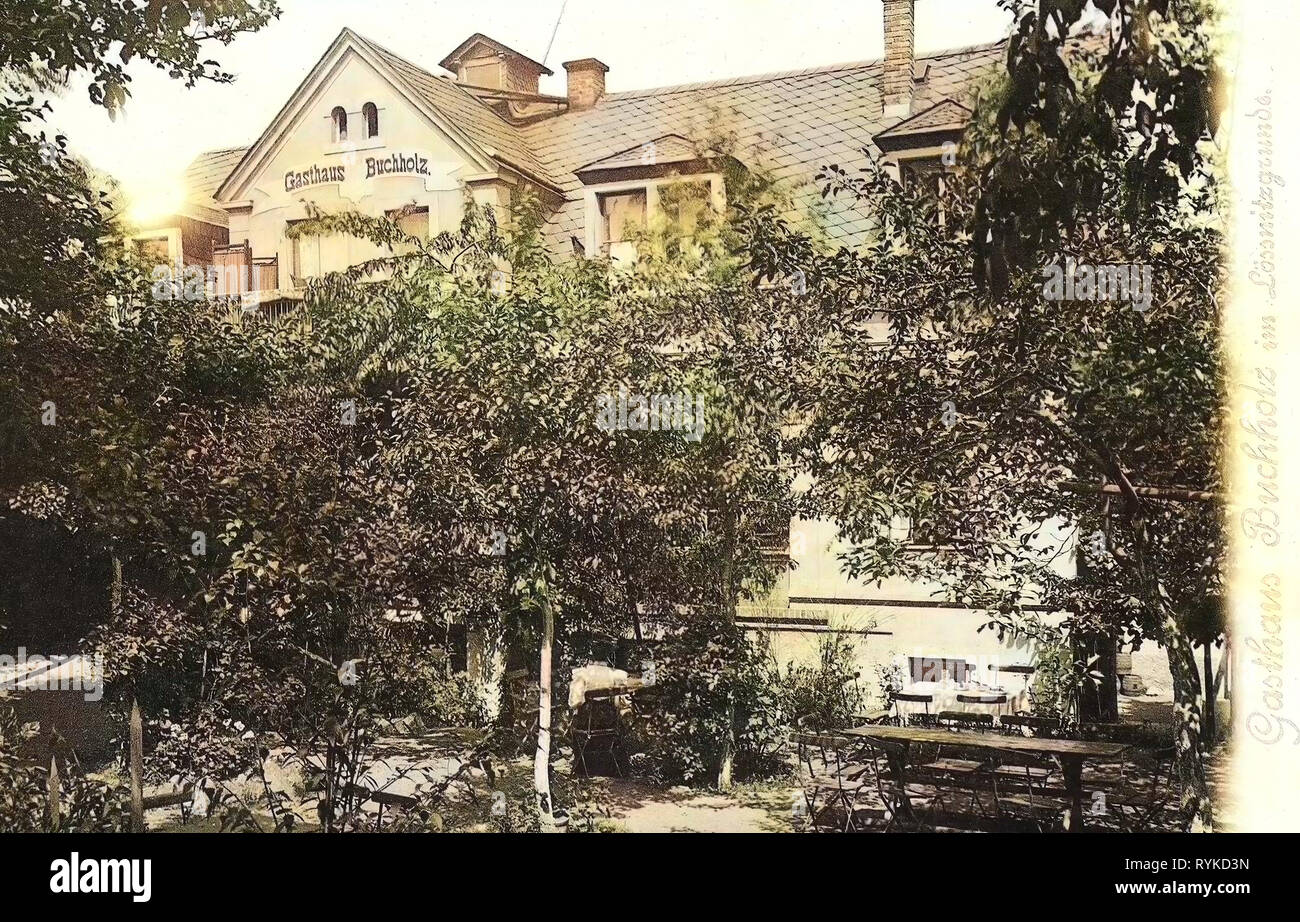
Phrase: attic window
x=927 y=172
x=339 y=119
x=620 y=212
x=370 y=113
x=686 y=204
x=485 y=74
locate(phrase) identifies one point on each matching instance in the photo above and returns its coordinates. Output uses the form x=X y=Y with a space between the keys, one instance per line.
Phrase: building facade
x=371 y=131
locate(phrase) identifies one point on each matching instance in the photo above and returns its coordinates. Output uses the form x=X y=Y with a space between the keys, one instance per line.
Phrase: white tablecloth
x=590 y=678
x=945 y=698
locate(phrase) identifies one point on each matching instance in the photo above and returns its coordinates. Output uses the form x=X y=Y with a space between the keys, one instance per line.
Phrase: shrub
x=712 y=670
x=824 y=696
x=85 y=804
x=710 y=678
x=420 y=681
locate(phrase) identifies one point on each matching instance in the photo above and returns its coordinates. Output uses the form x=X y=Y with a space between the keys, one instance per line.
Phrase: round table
x=945 y=699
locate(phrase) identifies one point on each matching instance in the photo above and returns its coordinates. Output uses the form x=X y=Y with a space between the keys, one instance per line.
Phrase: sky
x=645 y=44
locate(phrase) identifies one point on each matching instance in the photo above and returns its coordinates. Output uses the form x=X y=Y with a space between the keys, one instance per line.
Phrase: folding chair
x=598 y=731
x=947 y=774
x=915 y=698
x=1026 y=788
x=1134 y=813
x=1029 y=725
x=829 y=779
x=965 y=720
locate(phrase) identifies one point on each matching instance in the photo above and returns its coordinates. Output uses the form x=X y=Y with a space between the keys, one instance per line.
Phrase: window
x=413 y=220
x=915 y=533
x=304 y=257
x=370 y=113
x=153 y=250
x=620 y=213
x=938 y=669
x=926 y=174
x=339 y=118
x=925 y=533
x=486 y=75
x=923 y=171
x=686 y=204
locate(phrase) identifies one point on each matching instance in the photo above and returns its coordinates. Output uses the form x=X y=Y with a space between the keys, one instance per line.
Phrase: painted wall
x=403 y=129
x=885 y=629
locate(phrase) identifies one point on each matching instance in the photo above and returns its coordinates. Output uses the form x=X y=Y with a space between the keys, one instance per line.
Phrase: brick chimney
x=586 y=82
x=900 y=54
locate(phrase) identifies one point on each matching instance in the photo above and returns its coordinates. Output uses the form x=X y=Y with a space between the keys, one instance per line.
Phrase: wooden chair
x=1045 y=812
x=1029 y=789
x=980 y=720
x=965 y=720
x=1133 y=811
x=872 y=717
x=383 y=799
x=831 y=779
x=597 y=731
x=1029 y=725
x=949 y=777
x=873 y=755
x=982 y=698
x=914 y=698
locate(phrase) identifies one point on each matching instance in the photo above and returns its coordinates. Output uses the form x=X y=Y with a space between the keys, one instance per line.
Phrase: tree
x=97 y=381
x=58 y=218
x=1154 y=94
x=973 y=409
x=516 y=382
x=101 y=37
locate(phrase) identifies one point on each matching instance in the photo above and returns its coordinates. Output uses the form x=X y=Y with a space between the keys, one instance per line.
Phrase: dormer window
x=339 y=119
x=485 y=74
x=668 y=180
x=370 y=115
x=486 y=64
x=920 y=148
x=620 y=214
x=923 y=173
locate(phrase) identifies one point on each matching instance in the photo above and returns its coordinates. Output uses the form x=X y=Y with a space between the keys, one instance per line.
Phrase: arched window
x=340 y=119
x=370 y=112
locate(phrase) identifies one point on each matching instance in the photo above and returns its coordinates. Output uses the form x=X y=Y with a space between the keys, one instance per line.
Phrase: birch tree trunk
x=53 y=792
x=1194 y=799
x=542 y=758
x=725 y=763
x=137 y=768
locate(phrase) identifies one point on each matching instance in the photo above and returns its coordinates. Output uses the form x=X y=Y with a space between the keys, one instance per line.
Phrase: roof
x=451 y=60
x=483 y=125
x=941 y=117
x=207 y=170
x=671 y=148
x=790 y=124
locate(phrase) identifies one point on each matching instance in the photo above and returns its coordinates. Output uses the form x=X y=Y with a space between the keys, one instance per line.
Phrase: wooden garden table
x=1070 y=753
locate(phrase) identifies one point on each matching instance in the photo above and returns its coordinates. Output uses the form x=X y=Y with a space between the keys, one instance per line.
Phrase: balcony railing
x=254 y=280
x=239 y=271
